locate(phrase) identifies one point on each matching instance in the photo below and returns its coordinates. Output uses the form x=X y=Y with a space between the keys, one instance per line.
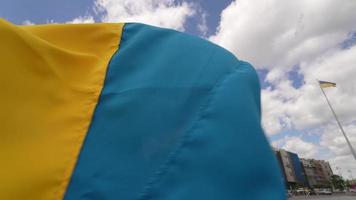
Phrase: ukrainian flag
x=128 y=111
x=325 y=84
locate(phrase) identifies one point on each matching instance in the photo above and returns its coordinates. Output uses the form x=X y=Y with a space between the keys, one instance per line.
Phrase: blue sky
x=43 y=11
x=213 y=9
x=290 y=43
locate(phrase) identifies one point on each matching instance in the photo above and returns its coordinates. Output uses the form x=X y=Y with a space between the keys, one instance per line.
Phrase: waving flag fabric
x=325 y=84
x=129 y=112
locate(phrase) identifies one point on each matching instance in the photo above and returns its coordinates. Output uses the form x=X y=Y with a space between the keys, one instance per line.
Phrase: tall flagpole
x=338 y=122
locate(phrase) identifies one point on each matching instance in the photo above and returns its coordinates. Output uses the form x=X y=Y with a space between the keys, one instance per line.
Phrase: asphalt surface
x=326 y=197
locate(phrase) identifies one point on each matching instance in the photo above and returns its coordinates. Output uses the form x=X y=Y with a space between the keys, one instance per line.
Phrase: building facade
x=309 y=171
x=292 y=169
x=318 y=172
x=300 y=172
x=328 y=172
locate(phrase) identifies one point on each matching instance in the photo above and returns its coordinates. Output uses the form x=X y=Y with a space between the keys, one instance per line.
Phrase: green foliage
x=348 y=183
x=338 y=182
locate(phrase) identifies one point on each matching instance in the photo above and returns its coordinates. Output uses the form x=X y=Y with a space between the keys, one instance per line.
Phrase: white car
x=324 y=192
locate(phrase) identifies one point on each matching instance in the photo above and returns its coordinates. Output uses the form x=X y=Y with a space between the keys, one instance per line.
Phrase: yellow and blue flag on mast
x=128 y=111
x=325 y=84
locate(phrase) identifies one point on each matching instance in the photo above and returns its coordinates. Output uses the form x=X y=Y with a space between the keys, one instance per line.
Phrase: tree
x=348 y=183
x=338 y=182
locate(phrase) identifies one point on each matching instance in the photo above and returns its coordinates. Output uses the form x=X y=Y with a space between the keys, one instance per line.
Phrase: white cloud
x=306 y=107
x=82 y=20
x=281 y=34
x=163 y=13
x=297 y=145
x=202 y=26
x=277 y=33
x=27 y=22
x=340 y=154
x=335 y=141
x=344 y=166
x=275 y=107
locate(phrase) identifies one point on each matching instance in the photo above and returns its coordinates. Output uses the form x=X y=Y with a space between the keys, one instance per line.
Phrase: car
x=324 y=191
x=300 y=191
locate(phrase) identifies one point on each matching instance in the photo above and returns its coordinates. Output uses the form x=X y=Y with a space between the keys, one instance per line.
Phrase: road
x=326 y=197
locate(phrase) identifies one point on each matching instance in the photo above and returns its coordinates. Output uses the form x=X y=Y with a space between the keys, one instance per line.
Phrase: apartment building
x=300 y=172
x=292 y=168
x=318 y=172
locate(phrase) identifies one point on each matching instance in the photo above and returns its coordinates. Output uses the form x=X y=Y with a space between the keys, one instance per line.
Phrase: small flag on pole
x=325 y=84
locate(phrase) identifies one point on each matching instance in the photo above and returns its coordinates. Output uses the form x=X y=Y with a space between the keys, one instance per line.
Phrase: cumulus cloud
x=82 y=20
x=163 y=13
x=277 y=33
x=334 y=140
x=202 y=26
x=305 y=37
x=287 y=107
x=340 y=155
x=298 y=145
x=344 y=166
x=27 y=22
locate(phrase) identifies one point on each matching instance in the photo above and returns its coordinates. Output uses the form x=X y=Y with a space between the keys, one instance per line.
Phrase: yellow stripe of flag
x=51 y=77
x=325 y=84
